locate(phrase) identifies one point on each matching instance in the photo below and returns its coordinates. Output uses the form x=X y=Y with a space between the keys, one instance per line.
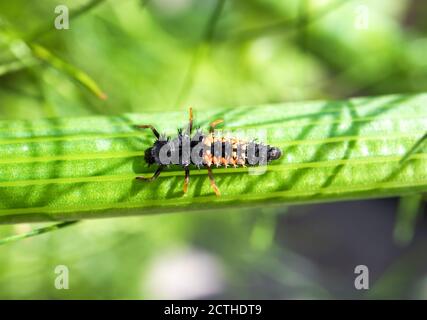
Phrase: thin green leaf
x=285 y=25
x=36 y=232
x=86 y=167
x=407 y=213
x=199 y=52
x=263 y=232
x=82 y=77
x=29 y=54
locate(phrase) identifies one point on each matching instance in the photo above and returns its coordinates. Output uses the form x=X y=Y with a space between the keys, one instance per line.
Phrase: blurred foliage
x=164 y=55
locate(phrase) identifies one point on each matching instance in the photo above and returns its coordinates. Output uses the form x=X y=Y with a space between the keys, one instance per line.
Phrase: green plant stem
x=79 y=168
x=200 y=52
x=36 y=232
x=407 y=212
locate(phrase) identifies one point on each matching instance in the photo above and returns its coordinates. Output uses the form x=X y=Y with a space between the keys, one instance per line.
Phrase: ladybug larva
x=204 y=151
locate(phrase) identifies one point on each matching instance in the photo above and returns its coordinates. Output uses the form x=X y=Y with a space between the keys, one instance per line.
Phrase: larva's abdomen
x=224 y=152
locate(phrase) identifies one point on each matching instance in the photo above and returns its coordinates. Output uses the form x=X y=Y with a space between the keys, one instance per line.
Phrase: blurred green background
x=163 y=55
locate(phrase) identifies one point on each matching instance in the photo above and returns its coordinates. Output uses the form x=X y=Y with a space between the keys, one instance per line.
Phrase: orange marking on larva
x=224 y=161
x=208 y=160
x=208 y=140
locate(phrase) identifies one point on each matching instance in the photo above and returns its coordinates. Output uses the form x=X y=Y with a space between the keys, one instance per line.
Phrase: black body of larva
x=220 y=153
x=211 y=151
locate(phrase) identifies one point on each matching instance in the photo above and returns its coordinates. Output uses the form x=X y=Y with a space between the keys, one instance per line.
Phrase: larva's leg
x=145 y=126
x=186 y=179
x=190 y=122
x=154 y=177
x=212 y=180
x=214 y=124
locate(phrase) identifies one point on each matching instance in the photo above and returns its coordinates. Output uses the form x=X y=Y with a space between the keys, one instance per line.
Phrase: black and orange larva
x=212 y=150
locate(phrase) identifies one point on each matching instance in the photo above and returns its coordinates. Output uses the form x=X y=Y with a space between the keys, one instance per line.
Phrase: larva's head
x=148 y=156
x=152 y=154
x=273 y=153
